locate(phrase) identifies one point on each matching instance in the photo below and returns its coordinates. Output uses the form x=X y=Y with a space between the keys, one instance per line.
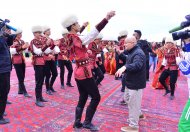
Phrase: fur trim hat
x=123 y=33
x=65 y=31
x=100 y=36
x=45 y=28
x=69 y=20
x=37 y=29
x=169 y=39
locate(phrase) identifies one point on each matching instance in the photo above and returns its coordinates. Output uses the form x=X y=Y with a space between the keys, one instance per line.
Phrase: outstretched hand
x=85 y=24
x=120 y=71
x=110 y=15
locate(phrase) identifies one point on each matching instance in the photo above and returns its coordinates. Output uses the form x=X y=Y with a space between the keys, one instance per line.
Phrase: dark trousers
x=20 y=72
x=147 y=69
x=50 y=69
x=98 y=75
x=62 y=64
x=39 y=78
x=4 y=90
x=173 y=78
x=88 y=87
x=102 y=68
x=123 y=81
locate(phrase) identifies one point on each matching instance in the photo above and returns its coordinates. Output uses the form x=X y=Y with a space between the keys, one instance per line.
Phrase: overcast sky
x=153 y=17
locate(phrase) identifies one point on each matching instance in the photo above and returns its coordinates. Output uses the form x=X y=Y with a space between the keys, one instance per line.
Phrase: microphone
x=182 y=25
x=4 y=23
x=175 y=29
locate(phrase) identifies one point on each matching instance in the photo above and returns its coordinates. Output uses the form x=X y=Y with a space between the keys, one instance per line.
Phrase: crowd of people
x=129 y=59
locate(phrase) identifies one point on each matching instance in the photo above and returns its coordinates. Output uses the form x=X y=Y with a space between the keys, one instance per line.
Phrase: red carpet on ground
x=162 y=114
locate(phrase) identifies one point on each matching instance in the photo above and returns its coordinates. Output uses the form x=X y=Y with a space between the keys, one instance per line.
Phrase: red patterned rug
x=162 y=114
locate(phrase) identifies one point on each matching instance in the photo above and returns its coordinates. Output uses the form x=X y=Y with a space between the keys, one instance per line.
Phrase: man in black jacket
x=135 y=69
x=143 y=44
x=5 y=67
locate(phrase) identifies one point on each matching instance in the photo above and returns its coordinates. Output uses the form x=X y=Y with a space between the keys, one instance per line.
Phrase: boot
x=49 y=92
x=78 y=115
x=20 y=89
x=52 y=89
x=62 y=86
x=4 y=121
x=69 y=85
x=39 y=103
x=27 y=95
x=167 y=92
x=87 y=123
x=43 y=100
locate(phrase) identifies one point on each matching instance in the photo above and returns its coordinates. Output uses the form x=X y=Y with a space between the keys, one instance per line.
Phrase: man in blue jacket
x=6 y=40
x=135 y=69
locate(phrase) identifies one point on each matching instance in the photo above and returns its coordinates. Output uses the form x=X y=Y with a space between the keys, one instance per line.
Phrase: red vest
x=170 y=56
x=39 y=43
x=18 y=58
x=79 y=52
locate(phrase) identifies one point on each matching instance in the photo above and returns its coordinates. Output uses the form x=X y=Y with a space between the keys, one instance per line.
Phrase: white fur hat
x=69 y=20
x=18 y=31
x=123 y=33
x=169 y=39
x=37 y=29
x=65 y=31
x=45 y=28
x=100 y=36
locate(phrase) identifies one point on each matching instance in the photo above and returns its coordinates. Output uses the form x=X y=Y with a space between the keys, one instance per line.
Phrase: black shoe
x=78 y=115
x=167 y=92
x=77 y=125
x=69 y=85
x=39 y=103
x=43 y=100
x=49 y=92
x=4 y=121
x=62 y=87
x=27 y=95
x=90 y=126
x=172 y=97
x=4 y=114
x=20 y=92
x=52 y=90
x=8 y=102
x=116 y=78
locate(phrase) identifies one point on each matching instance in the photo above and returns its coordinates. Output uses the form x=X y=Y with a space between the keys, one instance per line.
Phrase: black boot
x=87 y=123
x=69 y=85
x=52 y=89
x=4 y=121
x=62 y=86
x=20 y=89
x=167 y=92
x=39 y=103
x=78 y=115
x=27 y=95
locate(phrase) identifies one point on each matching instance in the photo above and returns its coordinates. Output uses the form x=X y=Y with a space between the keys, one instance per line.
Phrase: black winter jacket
x=5 y=57
x=136 y=69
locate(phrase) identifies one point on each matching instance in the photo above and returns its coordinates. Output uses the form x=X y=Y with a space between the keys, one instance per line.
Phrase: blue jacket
x=5 y=57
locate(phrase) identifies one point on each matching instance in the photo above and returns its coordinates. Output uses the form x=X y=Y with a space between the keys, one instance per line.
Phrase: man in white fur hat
x=64 y=59
x=50 y=65
x=83 y=74
x=18 y=60
x=38 y=46
x=171 y=52
x=96 y=49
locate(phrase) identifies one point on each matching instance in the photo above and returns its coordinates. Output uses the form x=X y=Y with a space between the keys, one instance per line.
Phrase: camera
x=181 y=35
